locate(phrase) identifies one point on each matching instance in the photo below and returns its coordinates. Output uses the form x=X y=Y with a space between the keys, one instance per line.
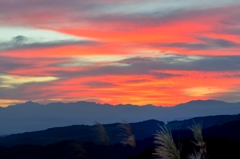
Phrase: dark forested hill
x=221 y=126
x=80 y=133
x=206 y=121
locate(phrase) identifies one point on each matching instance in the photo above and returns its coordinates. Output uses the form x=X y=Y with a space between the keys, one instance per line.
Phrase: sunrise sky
x=160 y=52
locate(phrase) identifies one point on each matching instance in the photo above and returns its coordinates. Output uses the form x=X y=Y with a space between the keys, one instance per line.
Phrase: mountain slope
x=206 y=121
x=228 y=126
x=82 y=133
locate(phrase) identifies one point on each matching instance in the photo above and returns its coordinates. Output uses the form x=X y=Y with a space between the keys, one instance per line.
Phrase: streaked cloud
x=10 y=81
x=203 y=91
x=26 y=38
x=179 y=62
x=206 y=44
x=230 y=96
x=98 y=84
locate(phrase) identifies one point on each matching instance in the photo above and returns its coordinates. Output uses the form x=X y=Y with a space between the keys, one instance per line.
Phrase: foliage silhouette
x=126 y=132
x=166 y=148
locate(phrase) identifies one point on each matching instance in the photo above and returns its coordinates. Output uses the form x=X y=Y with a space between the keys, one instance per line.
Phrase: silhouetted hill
x=214 y=126
x=229 y=130
x=82 y=133
x=206 y=121
x=222 y=142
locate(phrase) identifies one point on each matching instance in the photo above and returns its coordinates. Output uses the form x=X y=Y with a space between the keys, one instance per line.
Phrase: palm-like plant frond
x=199 y=142
x=195 y=155
x=197 y=132
x=166 y=148
x=127 y=134
x=102 y=134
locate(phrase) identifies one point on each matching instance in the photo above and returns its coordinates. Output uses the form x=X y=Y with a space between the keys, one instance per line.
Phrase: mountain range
x=31 y=116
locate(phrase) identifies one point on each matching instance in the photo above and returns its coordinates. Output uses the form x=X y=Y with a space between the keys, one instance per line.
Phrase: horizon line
x=102 y=103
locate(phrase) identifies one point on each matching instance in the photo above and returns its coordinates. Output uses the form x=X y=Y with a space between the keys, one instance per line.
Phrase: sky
x=160 y=52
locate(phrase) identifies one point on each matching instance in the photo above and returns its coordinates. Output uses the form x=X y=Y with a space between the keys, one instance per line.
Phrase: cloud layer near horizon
x=140 y=52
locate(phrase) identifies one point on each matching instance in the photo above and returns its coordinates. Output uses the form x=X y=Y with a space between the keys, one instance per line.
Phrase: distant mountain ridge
x=31 y=116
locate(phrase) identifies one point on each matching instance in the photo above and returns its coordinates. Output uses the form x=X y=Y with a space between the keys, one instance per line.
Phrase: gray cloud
x=148 y=66
x=233 y=31
x=130 y=66
x=180 y=62
x=137 y=60
x=137 y=81
x=98 y=84
x=232 y=96
x=93 y=11
x=23 y=42
x=207 y=44
x=17 y=12
x=12 y=63
x=18 y=40
x=220 y=43
x=166 y=16
x=125 y=70
x=28 y=91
